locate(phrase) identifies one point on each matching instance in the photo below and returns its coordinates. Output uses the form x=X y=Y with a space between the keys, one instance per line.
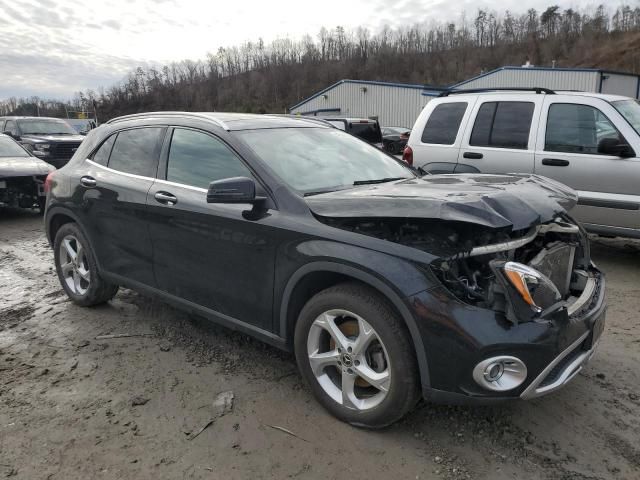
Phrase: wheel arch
x=329 y=273
x=56 y=217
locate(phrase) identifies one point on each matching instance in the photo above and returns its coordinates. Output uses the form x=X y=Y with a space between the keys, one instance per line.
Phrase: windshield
x=314 y=160
x=9 y=148
x=45 y=127
x=630 y=110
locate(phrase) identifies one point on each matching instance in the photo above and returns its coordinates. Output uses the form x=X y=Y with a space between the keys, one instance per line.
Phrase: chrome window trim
x=181 y=185
x=132 y=175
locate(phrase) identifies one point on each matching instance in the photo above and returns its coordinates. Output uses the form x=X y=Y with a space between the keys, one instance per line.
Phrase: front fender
x=393 y=277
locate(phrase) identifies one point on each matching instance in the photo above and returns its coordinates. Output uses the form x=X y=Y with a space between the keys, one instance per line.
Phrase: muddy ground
x=76 y=407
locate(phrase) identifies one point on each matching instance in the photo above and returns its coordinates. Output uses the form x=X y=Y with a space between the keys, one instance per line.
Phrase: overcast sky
x=53 y=48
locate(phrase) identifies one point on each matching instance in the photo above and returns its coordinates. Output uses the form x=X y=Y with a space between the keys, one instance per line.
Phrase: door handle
x=555 y=162
x=87 y=181
x=472 y=155
x=166 y=198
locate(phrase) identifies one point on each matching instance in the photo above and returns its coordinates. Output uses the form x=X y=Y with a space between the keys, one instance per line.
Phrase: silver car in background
x=588 y=141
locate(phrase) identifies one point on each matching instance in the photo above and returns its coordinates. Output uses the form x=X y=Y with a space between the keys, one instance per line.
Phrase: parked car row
x=386 y=285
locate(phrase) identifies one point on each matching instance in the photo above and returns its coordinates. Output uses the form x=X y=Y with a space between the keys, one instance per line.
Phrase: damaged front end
x=22 y=191
x=523 y=274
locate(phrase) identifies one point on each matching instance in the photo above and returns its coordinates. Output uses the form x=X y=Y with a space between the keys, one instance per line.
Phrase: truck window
x=444 y=123
x=503 y=125
x=575 y=128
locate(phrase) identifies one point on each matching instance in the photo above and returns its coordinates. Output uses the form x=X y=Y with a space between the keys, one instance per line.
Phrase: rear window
x=366 y=131
x=502 y=125
x=136 y=151
x=444 y=123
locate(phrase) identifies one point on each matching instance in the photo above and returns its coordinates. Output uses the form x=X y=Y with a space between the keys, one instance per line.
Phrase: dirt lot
x=73 y=406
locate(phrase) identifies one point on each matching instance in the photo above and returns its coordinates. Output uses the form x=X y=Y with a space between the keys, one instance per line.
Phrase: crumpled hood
x=54 y=138
x=23 y=167
x=497 y=201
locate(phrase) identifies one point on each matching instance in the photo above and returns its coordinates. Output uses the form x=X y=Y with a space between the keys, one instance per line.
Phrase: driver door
x=206 y=253
x=569 y=150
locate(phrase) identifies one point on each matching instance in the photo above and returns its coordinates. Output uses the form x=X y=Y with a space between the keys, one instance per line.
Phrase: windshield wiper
x=379 y=180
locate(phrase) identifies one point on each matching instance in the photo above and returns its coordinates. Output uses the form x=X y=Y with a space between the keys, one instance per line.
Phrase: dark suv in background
x=386 y=286
x=366 y=129
x=50 y=139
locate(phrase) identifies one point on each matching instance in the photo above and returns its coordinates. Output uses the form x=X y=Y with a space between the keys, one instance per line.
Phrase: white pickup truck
x=588 y=141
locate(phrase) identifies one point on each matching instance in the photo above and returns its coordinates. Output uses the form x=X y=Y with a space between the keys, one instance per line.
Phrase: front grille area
x=63 y=151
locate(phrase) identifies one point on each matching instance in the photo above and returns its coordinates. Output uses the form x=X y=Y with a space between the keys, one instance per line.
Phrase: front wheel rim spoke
x=329 y=324
x=319 y=361
x=76 y=281
x=366 y=334
x=84 y=274
x=379 y=380
x=66 y=268
x=348 y=390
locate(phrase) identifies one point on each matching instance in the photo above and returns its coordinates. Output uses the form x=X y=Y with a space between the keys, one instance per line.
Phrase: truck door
x=571 y=148
x=500 y=137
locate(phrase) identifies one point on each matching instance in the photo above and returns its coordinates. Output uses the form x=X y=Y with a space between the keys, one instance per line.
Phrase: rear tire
x=376 y=383
x=77 y=269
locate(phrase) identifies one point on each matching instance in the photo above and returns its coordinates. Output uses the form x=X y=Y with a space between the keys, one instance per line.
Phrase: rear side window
x=136 y=151
x=11 y=127
x=366 y=131
x=197 y=159
x=444 y=123
x=101 y=155
x=503 y=125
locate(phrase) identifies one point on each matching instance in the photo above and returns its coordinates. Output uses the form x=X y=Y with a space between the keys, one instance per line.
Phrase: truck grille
x=63 y=151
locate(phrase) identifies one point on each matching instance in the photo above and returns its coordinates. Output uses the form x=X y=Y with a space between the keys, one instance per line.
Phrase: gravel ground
x=73 y=406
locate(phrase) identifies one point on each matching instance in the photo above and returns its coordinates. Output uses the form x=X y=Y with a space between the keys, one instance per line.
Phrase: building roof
x=556 y=69
x=362 y=82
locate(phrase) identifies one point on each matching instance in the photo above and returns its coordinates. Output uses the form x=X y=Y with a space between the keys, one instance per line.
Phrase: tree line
x=269 y=77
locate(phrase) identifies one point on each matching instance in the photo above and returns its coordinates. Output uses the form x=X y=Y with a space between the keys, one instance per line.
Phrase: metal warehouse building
x=393 y=104
x=399 y=104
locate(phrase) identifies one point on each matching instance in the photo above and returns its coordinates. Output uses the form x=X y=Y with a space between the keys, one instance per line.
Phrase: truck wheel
x=356 y=355
x=76 y=268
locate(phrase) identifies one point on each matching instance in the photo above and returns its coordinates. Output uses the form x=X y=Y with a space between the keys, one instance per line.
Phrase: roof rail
x=201 y=116
x=538 y=90
x=307 y=118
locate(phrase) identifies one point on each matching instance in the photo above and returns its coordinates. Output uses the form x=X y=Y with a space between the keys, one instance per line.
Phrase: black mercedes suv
x=386 y=286
x=50 y=139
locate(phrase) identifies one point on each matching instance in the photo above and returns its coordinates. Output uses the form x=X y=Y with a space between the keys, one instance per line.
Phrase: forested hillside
x=259 y=77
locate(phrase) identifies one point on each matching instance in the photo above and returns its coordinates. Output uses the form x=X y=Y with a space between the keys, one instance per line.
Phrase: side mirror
x=233 y=190
x=615 y=147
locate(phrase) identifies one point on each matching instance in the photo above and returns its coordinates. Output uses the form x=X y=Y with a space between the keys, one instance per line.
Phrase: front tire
x=356 y=355
x=77 y=269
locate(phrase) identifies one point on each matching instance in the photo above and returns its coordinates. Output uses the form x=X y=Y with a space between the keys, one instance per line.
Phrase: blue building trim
x=587 y=70
x=358 y=82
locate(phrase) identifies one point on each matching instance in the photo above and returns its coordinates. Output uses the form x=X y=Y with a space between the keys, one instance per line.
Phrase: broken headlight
x=531 y=286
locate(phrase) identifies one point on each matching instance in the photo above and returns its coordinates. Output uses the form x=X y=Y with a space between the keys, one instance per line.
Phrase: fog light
x=500 y=373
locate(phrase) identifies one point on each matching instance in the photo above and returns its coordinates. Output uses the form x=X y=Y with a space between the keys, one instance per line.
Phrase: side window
x=11 y=127
x=444 y=123
x=2 y=122
x=574 y=128
x=101 y=155
x=503 y=125
x=197 y=159
x=136 y=151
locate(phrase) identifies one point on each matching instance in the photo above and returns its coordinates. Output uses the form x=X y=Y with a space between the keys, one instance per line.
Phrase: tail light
x=407 y=155
x=47 y=182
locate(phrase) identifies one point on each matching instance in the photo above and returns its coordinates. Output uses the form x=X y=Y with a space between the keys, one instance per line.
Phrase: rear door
x=114 y=184
x=500 y=139
x=435 y=138
x=572 y=128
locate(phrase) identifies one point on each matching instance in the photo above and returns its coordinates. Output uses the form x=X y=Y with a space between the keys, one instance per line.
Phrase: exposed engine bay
x=22 y=191
x=521 y=273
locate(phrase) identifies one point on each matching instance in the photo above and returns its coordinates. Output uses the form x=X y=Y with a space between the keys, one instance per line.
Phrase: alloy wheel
x=348 y=359
x=74 y=265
